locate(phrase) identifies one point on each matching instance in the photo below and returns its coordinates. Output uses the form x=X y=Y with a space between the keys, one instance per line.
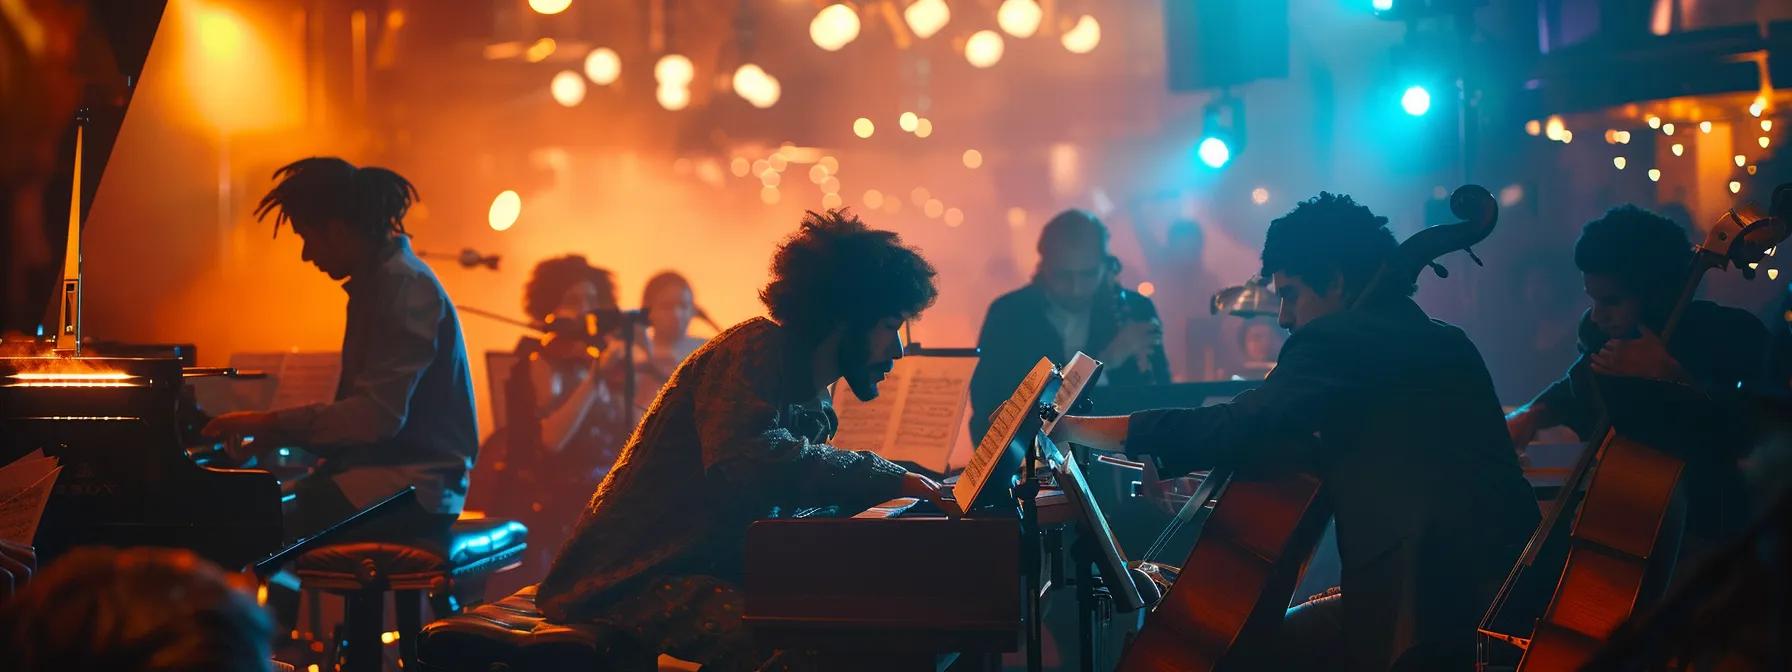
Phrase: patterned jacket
x=737 y=434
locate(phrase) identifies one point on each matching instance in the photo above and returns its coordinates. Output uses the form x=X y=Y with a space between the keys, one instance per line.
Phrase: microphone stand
x=629 y=320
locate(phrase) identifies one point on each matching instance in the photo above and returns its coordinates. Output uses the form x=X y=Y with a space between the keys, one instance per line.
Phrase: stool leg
x=365 y=614
x=409 y=607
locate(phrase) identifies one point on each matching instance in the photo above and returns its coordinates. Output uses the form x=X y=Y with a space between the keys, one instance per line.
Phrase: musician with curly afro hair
x=740 y=433
x=1396 y=415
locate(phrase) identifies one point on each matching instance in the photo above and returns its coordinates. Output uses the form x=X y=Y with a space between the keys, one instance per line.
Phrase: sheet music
x=1076 y=375
x=25 y=487
x=1003 y=424
x=294 y=379
x=307 y=378
x=918 y=416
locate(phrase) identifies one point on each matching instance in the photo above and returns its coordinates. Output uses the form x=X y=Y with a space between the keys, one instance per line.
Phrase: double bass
x=1257 y=532
x=1629 y=488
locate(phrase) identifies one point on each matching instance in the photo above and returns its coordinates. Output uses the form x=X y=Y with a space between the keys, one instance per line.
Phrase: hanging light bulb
x=755 y=86
x=1019 y=18
x=568 y=88
x=1619 y=162
x=1083 y=37
x=926 y=17
x=673 y=69
x=833 y=27
x=1654 y=174
x=1678 y=149
x=1553 y=128
x=549 y=6
x=603 y=66
x=505 y=210
x=984 y=49
x=673 y=97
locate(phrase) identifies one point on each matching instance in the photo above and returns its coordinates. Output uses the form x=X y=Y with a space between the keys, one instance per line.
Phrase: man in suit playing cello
x=1396 y=413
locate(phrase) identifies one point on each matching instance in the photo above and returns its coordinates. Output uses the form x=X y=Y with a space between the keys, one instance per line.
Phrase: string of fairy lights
x=1753 y=133
x=832 y=28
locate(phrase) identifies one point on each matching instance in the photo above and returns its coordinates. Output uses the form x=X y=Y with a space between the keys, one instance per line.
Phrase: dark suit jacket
x=1431 y=506
x=1016 y=333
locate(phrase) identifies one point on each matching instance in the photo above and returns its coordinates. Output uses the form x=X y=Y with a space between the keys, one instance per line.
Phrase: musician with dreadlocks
x=403 y=413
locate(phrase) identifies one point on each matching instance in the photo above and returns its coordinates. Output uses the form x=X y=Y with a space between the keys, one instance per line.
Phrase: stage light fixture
x=1416 y=101
x=1416 y=9
x=1214 y=152
x=1222 y=132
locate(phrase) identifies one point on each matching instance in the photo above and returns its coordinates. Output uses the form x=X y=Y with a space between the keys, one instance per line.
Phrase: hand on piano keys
x=237 y=425
x=919 y=486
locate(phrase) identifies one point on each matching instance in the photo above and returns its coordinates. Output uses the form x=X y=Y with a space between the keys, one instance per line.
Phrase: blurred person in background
x=1074 y=303
x=665 y=339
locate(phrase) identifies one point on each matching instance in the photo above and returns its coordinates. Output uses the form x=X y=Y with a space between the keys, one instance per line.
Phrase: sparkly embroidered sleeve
x=752 y=453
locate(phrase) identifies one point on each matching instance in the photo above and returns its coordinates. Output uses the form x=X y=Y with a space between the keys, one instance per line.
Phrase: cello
x=1257 y=531
x=1629 y=488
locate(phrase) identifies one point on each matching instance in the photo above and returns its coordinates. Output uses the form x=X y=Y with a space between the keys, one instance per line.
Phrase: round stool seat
x=365 y=572
x=369 y=566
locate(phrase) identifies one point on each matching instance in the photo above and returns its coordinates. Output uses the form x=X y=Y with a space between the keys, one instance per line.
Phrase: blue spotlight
x=1381 y=5
x=1214 y=152
x=1416 y=101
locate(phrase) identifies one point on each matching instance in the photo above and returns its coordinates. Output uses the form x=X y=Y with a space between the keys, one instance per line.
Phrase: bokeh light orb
x=984 y=49
x=833 y=27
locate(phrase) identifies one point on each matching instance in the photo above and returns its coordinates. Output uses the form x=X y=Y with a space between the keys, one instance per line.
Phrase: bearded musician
x=740 y=433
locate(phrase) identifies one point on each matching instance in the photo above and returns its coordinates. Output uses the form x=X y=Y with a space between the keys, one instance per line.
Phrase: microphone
x=468 y=258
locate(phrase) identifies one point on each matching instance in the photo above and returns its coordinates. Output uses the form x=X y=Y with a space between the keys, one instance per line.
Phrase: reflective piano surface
x=896 y=584
x=114 y=422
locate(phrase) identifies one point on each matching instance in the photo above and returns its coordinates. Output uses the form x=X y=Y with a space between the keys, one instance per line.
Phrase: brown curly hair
x=551 y=277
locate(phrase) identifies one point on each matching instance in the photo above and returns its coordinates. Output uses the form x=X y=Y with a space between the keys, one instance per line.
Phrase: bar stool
x=364 y=572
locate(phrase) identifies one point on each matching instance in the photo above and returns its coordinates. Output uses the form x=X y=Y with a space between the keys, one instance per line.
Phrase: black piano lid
x=92 y=87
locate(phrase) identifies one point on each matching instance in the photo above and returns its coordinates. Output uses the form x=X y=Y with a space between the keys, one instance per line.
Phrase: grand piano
x=118 y=417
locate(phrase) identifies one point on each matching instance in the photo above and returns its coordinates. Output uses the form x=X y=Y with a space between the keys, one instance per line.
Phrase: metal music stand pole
x=1028 y=493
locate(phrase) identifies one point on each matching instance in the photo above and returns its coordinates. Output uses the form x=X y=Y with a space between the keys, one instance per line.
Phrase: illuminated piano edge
x=82 y=418
x=73 y=379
